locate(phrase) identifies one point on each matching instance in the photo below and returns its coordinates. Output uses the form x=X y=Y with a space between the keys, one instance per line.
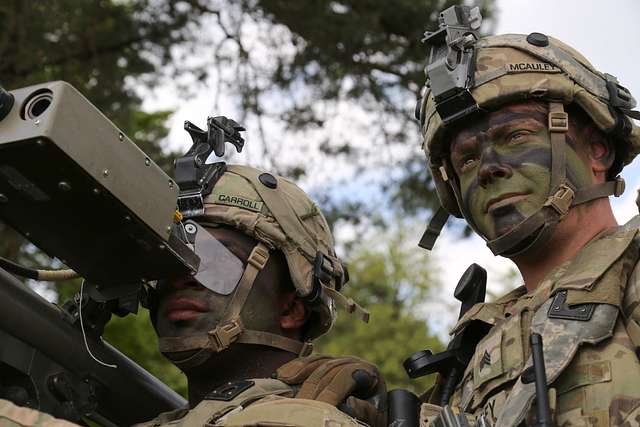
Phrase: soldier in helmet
x=236 y=329
x=525 y=140
x=240 y=328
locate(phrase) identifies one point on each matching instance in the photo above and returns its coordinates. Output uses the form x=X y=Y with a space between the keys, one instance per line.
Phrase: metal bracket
x=619 y=96
x=560 y=310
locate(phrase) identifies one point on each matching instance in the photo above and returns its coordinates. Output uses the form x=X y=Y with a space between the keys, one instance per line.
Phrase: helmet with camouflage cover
x=276 y=212
x=280 y=216
x=467 y=74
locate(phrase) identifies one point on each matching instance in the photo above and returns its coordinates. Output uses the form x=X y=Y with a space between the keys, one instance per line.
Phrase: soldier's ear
x=294 y=312
x=601 y=156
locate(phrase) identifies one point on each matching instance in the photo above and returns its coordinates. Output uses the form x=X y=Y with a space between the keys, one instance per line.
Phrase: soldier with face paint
x=241 y=328
x=525 y=140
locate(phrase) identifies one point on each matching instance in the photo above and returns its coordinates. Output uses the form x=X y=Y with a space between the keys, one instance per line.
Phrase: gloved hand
x=349 y=383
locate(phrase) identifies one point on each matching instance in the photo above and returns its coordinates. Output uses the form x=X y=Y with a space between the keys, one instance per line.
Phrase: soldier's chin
x=504 y=229
x=506 y=219
x=177 y=356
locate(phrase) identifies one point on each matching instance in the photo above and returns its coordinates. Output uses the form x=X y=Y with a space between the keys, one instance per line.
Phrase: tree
x=321 y=79
x=392 y=281
x=100 y=47
x=134 y=336
x=336 y=81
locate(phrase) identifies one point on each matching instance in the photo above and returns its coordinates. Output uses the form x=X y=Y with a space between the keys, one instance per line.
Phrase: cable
x=84 y=335
x=57 y=275
x=18 y=269
x=31 y=273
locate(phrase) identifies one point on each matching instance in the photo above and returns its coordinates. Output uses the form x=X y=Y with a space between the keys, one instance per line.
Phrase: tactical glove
x=353 y=385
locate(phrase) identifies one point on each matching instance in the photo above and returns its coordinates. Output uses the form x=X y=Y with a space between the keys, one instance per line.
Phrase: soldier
x=238 y=327
x=525 y=140
x=237 y=339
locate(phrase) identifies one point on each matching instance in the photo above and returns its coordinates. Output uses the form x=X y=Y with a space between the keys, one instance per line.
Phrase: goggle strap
x=256 y=262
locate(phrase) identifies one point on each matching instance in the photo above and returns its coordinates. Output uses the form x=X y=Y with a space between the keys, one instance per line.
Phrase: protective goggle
x=220 y=270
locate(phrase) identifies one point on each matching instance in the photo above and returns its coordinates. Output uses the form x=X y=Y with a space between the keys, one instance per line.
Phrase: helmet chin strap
x=230 y=328
x=538 y=228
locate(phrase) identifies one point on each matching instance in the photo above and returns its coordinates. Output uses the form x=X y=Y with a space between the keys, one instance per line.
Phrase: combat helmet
x=280 y=216
x=467 y=74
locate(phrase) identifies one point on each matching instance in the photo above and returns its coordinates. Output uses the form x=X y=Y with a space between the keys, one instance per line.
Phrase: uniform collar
x=582 y=273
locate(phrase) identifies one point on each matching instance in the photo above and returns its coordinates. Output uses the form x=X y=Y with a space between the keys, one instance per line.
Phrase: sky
x=606 y=33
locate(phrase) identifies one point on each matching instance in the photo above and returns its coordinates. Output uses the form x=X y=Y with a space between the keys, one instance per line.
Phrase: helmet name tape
x=252 y=205
x=531 y=67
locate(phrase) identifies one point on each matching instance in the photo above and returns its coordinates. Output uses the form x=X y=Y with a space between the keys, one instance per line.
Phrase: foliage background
x=311 y=79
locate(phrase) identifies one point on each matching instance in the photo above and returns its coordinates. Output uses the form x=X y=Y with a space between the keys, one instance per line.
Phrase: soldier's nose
x=184 y=283
x=491 y=168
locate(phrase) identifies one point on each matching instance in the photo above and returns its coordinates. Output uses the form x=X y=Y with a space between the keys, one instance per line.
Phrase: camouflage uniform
x=585 y=309
x=265 y=402
x=305 y=391
x=17 y=416
x=591 y=364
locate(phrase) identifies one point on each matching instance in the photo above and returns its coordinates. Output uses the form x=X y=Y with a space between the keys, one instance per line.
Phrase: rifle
x=451 y=363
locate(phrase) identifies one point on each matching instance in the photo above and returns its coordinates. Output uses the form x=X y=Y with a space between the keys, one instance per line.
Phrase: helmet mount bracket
x=193 y=175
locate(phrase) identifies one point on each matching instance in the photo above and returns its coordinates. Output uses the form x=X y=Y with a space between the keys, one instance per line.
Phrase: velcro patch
x=531 y=67
x=229 y=391
x=241 y=202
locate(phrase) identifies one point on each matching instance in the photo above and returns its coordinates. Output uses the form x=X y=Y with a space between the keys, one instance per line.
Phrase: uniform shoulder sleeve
x=12 y=415
x=278 y=410
x=631 y=305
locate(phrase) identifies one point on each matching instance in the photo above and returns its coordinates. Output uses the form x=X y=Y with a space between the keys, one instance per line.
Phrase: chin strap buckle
x=558 y=121
x=561 y=200
x=222 y=336
x=259 y=257
x=619 y=187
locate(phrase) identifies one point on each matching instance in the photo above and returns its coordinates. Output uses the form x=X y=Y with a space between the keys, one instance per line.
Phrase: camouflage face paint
x=503 y=163
x=186 y=308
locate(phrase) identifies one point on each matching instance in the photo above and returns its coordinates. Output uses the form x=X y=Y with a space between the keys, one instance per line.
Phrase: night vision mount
x=195 y=177
x=451 y=61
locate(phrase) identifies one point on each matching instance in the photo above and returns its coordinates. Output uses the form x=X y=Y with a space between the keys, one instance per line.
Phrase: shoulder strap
x=561 y=337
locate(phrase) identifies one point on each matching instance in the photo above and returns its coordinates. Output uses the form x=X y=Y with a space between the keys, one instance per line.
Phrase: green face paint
x=503 y=165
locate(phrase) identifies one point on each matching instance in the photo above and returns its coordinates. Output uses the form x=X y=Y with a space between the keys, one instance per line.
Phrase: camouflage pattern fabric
x=596 y=383
x=267 y=403
x=17 y=416
x=509 y=70
x=284 y=218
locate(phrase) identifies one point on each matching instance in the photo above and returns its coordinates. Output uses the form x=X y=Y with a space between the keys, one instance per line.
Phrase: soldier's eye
x=517 y=136
x=467 y=163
